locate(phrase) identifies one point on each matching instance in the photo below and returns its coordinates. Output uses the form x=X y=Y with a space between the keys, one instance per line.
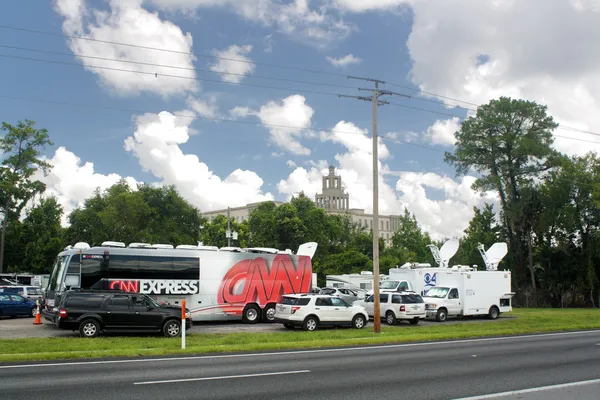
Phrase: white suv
x=313 y=310
x=396 y=306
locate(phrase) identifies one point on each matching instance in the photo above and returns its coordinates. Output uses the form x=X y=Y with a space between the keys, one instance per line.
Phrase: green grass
x=524 y=321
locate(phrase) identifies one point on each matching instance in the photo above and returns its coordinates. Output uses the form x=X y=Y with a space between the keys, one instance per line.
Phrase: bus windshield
x=57 y=273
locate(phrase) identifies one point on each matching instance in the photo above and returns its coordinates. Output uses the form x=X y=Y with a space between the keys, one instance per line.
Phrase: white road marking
x=296 y=352
x=215 y=378
x=531 y=390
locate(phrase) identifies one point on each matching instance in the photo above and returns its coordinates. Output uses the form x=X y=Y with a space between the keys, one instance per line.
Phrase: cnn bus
x=217 y=284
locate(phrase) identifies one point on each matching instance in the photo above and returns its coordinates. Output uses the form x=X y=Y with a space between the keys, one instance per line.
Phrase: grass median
x=520 y=321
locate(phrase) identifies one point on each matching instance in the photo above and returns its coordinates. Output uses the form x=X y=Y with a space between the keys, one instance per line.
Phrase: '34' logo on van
x=430 y=279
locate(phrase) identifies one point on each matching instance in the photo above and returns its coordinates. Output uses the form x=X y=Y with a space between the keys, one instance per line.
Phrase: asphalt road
x=442 y=370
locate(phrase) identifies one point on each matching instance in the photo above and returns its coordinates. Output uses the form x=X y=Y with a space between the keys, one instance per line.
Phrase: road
x=14 y=328
x=435 y=370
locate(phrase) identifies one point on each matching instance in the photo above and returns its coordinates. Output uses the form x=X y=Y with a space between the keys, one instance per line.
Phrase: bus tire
x=269 y=313
x=89 y=328
x=251 y=314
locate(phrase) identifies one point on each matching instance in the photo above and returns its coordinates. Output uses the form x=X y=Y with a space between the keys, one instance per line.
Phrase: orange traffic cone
x=38 y=319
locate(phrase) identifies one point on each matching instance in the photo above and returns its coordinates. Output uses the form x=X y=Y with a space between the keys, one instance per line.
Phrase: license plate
x=50 y=302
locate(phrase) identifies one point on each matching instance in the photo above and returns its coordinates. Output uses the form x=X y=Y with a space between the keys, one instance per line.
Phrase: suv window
x=383 y=298
x=412 y=299
x=84 y=301
x=323 y=301
x=120 y=300
x=338 y=303
x=396 y=299
x=294 y=301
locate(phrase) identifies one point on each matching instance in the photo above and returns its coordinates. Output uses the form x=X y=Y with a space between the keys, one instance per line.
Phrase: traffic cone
x=38 y=319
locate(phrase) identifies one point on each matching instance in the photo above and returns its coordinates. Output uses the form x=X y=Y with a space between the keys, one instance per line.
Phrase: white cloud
x=476 y=51
x=156 y=143
x=447 y=217
x=232 y=64
x=206 y=108
x=71 y=182
x=442 y=132
x=294 y=18
x=128 y=22
x=359 y=6
x=290 y=119
x=344 y=61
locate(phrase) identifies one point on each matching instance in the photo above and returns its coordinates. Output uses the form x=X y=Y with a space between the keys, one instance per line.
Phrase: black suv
x=93 y=312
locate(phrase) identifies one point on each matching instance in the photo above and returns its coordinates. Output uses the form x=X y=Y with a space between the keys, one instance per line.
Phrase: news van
x=217 y=284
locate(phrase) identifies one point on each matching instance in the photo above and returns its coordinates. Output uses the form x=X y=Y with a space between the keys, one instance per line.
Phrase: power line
x=267 y=65
x=178 y=67
x=156 y=75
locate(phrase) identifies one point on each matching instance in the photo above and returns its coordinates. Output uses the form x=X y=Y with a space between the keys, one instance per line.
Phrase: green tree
x=410 y=240
x=483 y=228
x=508 y=142
x=43 y=235
x=146 y=214
x=21 y=151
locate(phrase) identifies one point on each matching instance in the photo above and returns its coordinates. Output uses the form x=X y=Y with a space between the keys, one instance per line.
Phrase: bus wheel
x=251 y=314
x=269 y=313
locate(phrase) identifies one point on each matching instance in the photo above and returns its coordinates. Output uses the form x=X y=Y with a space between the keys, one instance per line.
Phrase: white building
x=334 y=200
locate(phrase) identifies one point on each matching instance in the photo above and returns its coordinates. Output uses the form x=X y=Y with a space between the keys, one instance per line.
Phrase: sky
x=236 y=101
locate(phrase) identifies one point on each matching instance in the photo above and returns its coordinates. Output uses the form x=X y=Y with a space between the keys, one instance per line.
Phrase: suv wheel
x=390 y=318
x=89 y=328
x=358 y=321
x=172 y=328
x=251 y=314
x=310 y=324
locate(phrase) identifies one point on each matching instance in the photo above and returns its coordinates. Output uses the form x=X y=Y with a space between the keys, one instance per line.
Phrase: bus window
x=92 y=270
x=74 y=264
x=186 y=268
x=156 y=267
x=123 y=266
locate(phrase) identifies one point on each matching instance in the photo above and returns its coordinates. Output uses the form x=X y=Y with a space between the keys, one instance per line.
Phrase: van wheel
x=442 y=315
x=269 y=313
x=494 y=313
x=251 y=314
x=390 y=318
x=89 y=328
x=414 y=321
x=358 y=322
x=172 y=328
x=310 y=324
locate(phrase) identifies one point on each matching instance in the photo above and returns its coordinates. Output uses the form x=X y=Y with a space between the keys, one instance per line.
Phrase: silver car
x=348 y=295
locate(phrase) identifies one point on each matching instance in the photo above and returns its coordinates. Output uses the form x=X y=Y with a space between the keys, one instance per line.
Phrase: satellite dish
x=448 y=250
x=496 y=253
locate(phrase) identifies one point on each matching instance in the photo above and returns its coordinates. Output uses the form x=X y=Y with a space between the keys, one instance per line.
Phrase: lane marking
x=531 y=390
x=215 y=378
x=297 y=352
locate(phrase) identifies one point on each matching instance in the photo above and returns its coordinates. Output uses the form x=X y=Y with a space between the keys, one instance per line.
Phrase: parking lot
x=14 y=328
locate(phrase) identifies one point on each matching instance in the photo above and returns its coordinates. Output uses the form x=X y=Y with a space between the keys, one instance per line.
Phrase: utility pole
x=374 y=99
x=228 y=229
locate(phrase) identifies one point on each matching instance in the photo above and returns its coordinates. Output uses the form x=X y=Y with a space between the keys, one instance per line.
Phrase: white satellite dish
x=493 y=255
x=448 y=250
x=497 y=252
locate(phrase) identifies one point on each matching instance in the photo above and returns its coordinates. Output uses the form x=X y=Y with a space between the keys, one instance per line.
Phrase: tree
x=509 y=142
x=483 y=228
x=411 y=240
x=21 y=149
x=43 y=235
x=145 y=214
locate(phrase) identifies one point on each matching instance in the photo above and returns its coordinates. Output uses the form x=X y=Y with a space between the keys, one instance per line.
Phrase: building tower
x=333 y=198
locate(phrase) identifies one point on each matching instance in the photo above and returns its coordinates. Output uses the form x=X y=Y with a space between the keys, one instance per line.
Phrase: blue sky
x=404 y=42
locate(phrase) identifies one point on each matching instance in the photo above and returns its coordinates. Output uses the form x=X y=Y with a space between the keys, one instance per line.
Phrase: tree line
x=548 y=212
